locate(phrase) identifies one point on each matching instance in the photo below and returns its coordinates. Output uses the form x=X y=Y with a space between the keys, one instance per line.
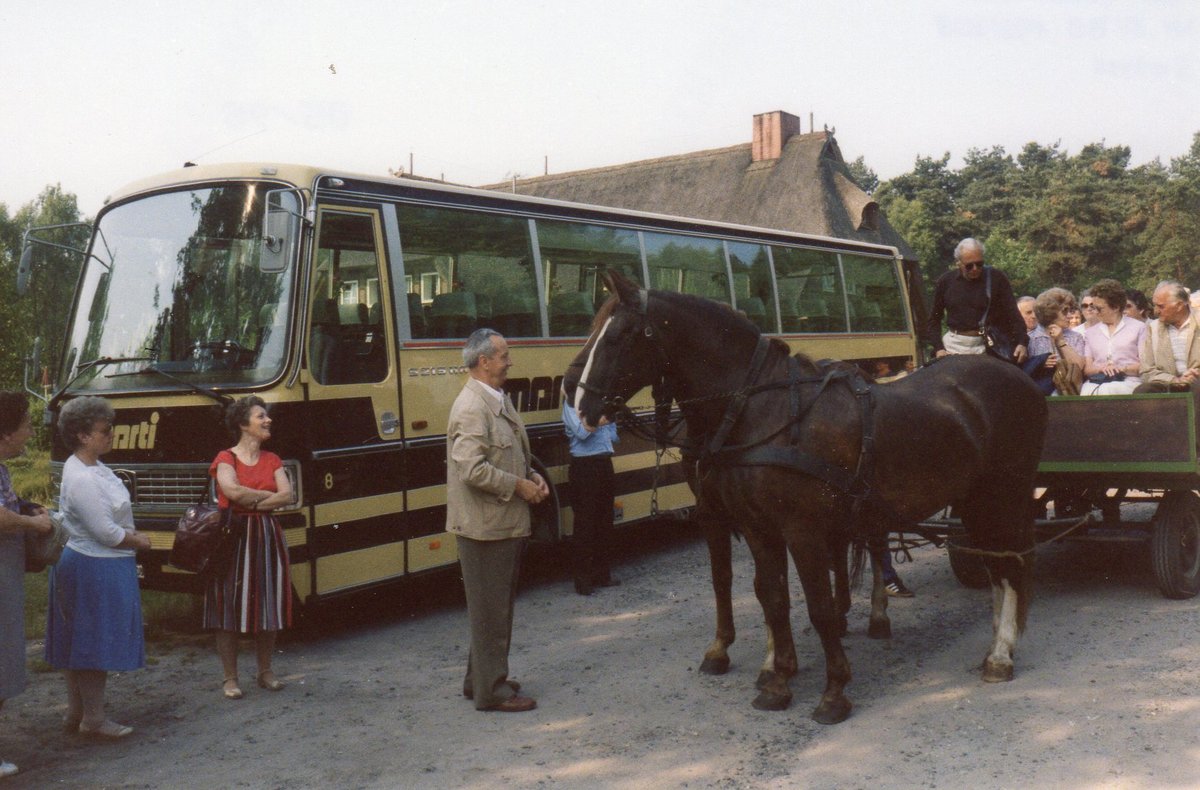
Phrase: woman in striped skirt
x=253 y=594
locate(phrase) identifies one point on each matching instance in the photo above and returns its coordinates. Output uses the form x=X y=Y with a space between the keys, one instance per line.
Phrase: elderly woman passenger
x=1112 y=347
x=94 y=617
x=1053 y=336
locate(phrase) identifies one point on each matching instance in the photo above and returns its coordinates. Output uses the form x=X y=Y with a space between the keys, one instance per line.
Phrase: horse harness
x=854 y=486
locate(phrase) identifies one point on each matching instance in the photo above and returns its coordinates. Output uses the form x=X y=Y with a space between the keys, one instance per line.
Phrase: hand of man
x=1020 y=354
x=942 y=353
x=533 y=490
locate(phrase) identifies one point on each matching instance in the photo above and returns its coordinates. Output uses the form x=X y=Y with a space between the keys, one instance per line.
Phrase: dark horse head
x=627 y=350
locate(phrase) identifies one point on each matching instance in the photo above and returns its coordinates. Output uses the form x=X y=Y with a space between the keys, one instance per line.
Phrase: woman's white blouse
x=96 y=509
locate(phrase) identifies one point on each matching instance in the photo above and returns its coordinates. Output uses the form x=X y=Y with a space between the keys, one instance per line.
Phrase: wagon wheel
x=1175 y=544
x=968 y=569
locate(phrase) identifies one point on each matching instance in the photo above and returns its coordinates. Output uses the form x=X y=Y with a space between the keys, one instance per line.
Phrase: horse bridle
x=616 y=403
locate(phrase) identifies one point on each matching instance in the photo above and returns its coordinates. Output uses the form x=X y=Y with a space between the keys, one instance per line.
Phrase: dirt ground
x=1105 y=693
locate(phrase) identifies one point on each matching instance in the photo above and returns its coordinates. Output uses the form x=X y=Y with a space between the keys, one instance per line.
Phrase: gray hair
x=1025 y=299
x=964 y=245
x=1051 y=303
x=479 y=344
x=1177 y=290
x=79 y=416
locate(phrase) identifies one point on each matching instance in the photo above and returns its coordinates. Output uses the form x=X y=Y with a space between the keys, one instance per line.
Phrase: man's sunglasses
x=970 y=267
x=1090 y=306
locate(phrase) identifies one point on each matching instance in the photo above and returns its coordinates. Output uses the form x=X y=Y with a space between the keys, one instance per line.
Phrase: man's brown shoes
x=515 y=704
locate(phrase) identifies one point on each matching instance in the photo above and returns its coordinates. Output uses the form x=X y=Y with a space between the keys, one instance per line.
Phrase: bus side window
x=573 y=256
x=687 y=264
x=876 y=301
x=810 y=290
x=466 y=270
x=345 y=347
x=752 y=283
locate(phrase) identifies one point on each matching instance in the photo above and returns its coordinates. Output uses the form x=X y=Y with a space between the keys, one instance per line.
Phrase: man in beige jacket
x=1170 y=351
x=490 y=485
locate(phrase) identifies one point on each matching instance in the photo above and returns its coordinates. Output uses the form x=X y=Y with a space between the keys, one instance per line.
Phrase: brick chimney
x=771 y=131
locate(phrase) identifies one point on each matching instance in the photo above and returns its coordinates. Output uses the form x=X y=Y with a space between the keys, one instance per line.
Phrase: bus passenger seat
x=515 y=315
x=416 y=316
x=323 y=344
x=452 y=315
x=571 y=314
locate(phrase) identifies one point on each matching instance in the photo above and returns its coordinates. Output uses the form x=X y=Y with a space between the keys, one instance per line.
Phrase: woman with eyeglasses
x=1088 y=312
x=94 y=617
x=1112 y=347
x=1054 y=338
x=1137 y=306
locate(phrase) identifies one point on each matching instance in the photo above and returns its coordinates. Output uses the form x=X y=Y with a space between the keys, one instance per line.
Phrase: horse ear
x=618 y=284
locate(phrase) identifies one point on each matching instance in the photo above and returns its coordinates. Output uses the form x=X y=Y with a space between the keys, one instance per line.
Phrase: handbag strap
x=987 y=290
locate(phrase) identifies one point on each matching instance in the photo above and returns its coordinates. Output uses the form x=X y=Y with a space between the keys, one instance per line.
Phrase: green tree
x=1172 y=228
x=42 y=312
x=864 y=176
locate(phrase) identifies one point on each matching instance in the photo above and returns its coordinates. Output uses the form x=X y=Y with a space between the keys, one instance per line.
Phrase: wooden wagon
x=1104 y=452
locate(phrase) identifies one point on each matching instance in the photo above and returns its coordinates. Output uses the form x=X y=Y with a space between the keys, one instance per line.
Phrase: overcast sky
x=97 y=94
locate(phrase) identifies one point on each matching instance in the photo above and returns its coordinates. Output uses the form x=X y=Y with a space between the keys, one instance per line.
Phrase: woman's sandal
x=267 y=681
x=231 y=689
x=109 y=729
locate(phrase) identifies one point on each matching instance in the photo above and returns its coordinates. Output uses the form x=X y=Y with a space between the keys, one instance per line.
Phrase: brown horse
x=810 y=458
x=718 y=529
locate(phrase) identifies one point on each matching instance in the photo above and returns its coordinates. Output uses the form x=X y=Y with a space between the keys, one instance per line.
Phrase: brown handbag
x=204 y=539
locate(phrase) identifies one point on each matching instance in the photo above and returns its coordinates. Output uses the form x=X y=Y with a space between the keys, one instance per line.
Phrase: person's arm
x=11 y=522
x=1004 y=303
x=933 y=324
x=90 y=510
x=572 y=425
x=1149 y=369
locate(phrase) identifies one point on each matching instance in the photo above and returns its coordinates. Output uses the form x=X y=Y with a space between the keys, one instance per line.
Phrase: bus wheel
x=1175 y=545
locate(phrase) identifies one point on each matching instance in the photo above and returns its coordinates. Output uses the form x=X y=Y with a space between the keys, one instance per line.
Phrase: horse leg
x=813 y=570
x=720 y=556
x=1001 y=522
x=770 y=586
x=1011 y=583
x=840 y=558
x=881 y=625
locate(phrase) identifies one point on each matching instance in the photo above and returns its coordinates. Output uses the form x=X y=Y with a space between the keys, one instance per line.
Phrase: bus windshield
x=174 y=292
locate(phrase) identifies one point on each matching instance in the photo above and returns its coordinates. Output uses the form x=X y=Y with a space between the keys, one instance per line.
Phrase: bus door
x=352 y=414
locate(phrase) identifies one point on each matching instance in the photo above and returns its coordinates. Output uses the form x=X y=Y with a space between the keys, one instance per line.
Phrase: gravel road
x=1105 y=693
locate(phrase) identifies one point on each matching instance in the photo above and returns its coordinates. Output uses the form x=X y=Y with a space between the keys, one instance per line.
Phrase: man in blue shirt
x=591 y=477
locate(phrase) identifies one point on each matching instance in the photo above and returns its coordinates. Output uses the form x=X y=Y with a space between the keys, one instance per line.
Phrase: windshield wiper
x=84 y=367
x=220 y=398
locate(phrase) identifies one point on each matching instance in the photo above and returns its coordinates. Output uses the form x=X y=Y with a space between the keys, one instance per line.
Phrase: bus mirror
x=24 y=268
x=281 y=222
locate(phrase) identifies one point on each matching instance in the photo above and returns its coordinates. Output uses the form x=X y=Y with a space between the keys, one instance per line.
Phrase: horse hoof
x=769 y=700
x=880 y=629
x=832 y=712
x=994 y=672
x=715 y=666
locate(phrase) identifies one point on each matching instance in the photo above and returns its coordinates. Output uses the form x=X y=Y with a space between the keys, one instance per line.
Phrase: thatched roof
x=808 y=189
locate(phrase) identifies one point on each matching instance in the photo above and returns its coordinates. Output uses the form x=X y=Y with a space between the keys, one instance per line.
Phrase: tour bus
x=343 y=301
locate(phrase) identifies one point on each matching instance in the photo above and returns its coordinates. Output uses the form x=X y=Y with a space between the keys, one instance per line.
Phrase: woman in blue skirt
x=94 y=621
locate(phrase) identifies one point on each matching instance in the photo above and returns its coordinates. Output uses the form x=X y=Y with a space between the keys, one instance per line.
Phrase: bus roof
x=307 y=176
